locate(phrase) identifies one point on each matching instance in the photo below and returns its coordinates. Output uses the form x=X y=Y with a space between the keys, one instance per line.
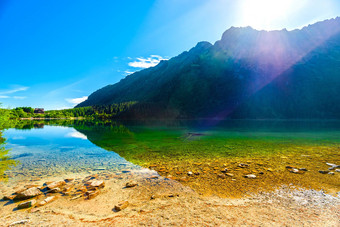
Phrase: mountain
x=246 y=74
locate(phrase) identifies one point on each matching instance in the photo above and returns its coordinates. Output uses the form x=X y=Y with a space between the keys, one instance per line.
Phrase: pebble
x=92 y=194
x=47 y=200
x=331 y=173
x=250 y=176
x=229 y=174
x=190 y=173
x=224 y=170
x=293 y=170
x=121 y=205
x=54 y=190
x=97 y=184
x=337 y=170
x=27 y=204
x=303 y=169
x=21 y=222
x=221 y=176
x=131 y=184
x=243 y=165
x=323 y=171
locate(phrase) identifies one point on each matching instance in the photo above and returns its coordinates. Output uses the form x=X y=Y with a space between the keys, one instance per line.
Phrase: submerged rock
x=131 y=184
x=28 y=193
x=221 y=176
x=54 y=190
x=27 y=204
x=47 y=200
x=9 y=197
x=55 y=184
x=92 y=194
x=98 y=184
x=243 y=165
x=250 y=176
x=323 y=171
x=121 y=205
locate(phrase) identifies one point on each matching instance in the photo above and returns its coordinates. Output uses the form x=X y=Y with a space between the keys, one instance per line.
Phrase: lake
x=224 y=158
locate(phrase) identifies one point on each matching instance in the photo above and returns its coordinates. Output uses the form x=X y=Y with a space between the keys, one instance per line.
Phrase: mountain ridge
x=213 y=78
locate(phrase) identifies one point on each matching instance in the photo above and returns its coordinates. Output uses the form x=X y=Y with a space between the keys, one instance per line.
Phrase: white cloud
x=77 y=100
x=4 y=97
x=144 y=63
x=13 y=90
x=77 y=135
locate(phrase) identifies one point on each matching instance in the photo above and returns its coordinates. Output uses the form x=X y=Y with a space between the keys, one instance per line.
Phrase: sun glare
x=266 y=14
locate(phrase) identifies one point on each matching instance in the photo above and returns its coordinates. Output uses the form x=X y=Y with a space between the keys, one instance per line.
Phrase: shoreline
x=156 y=200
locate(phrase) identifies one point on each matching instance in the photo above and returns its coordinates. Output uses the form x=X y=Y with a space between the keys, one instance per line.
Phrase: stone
x=21 y=222
x=303 y=169
x=224 y=170
x=293 y=170
x=131 y=184
x=47 y=200
x=190 y=173
x=121 y=205
x=229 y=174
x=28 y=193
x=243 y=165
x=67 y=180
x=98 y=184
x=332 y=166
x=221 y=176
x=55 y=184
x=290 y=167
x=331 y=173
x=9 y=197
x=54 y=190
x=323 y=171
x=92 y=194
x=337 y=170
x=250 y=176
x=27 y=204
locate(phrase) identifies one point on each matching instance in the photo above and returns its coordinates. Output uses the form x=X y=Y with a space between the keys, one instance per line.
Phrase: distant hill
x=246 y=74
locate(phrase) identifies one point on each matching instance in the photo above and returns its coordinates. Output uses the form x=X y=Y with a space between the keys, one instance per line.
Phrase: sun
x=265 y=14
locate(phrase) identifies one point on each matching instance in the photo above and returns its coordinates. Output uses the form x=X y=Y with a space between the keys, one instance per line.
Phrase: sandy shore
x=158 y=201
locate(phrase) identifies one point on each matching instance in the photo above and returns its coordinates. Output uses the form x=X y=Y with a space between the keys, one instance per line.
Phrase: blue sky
x=53 y=54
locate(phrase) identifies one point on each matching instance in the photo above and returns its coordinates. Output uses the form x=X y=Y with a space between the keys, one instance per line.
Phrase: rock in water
x=92 y=194
x=47 y=200
x=9 y=197
x=250 y=176
x=323 y=171
x=28 y=204
x=97 y=184
x=131 y=184
x=243 y=165
x=55 y=184
x=121 y=205
x=27 y=194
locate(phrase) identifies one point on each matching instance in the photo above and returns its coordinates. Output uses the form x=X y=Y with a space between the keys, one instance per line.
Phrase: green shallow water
x=205 y=148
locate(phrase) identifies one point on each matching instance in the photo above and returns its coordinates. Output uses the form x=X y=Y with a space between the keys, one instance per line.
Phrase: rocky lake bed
x=66 y=180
